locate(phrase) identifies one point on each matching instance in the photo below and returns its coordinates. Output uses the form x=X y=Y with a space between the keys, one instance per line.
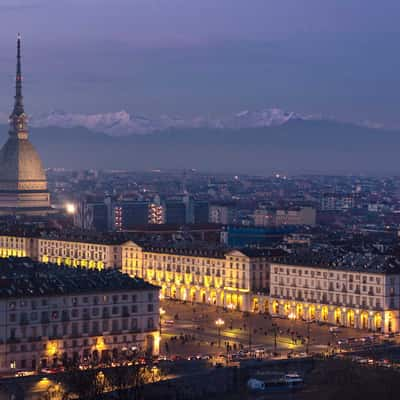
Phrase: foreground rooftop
x=24 y=277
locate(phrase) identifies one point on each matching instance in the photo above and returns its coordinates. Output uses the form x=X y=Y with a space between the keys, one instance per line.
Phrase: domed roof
x=19 y=161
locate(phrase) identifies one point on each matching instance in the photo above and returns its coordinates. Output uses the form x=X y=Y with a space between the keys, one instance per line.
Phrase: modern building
x=91 y=215
x=222 y=214
x=23 y=184
x=201 y=212
x=128 y=215
x=53 y=315
x=289 y=216
x=337 y=202
x=175 y=212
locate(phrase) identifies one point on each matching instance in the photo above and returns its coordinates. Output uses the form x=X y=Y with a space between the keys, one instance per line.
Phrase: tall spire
x=18 y=105
x=18 y=119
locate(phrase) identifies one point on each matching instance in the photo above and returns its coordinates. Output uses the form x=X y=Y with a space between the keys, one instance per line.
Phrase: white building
x=356 y=291
x=53 y=315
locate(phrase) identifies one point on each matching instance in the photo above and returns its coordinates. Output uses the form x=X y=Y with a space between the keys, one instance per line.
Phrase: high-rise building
x=23 y=184
x=201 y=211
x=175 y=212
x=127 y=215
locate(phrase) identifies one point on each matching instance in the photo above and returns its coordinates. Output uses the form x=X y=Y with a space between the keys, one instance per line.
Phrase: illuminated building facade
x=365 y=298
x=223 y=278
x=52 y=315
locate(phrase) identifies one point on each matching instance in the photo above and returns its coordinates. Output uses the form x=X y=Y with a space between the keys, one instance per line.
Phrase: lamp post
x=219 y=323
x=162 y=312
x=292 y=318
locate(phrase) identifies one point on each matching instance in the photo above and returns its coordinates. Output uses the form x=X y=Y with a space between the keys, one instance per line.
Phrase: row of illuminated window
x=94 y=328
x=103 y=312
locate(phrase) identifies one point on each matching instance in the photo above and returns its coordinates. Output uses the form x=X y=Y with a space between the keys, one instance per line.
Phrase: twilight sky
x=337 y=58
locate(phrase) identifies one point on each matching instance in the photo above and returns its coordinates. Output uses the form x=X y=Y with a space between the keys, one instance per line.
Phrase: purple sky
x=331 y=57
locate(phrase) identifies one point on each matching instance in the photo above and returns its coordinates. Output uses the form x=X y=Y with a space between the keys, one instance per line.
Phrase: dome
x=20 y=163
x=23 y=185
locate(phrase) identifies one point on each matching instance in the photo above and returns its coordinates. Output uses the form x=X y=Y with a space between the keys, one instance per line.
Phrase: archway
x=338 y=316
x=350 y=318
x=364 y=320
x=311 y=312
x=275 y=307
x=286 y=309
x=299 y=311
x=193 y=295
x=203 y=297
x=255 y=306
x=149 y=344
x=183 y=293
x=390 y=322
x=266 y=306
x=324 y=313
x=378 y=322
x=213 y=297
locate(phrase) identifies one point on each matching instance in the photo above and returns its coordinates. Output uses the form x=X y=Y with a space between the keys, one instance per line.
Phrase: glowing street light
x=70 y=208
x=220 y=323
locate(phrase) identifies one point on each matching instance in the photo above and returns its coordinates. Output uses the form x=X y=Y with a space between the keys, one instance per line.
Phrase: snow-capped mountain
x=121 y=123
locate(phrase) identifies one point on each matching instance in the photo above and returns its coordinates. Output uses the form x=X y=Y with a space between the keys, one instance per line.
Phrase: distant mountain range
x=295 y=146
x=121 y=123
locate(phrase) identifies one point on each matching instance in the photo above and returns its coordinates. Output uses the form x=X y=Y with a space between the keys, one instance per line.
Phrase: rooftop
x=24 y=277
x=341 y=259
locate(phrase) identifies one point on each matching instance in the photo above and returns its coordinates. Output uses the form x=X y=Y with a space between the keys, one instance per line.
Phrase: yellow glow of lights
x=51 y=349
x=100 y=345
x=70 y=208
x=219 y=322
x=292 y=316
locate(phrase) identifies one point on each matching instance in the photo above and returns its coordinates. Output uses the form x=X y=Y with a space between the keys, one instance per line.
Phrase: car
x=334 y=329
x=169 y=322
x=24 y=373
x=50 y=370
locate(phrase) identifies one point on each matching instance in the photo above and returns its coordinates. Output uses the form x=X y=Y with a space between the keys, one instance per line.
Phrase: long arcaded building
x=329 y=285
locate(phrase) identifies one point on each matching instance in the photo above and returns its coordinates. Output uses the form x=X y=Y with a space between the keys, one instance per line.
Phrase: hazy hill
x=297 y=146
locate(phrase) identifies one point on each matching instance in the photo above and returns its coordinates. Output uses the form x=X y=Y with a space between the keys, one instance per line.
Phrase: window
x=134 y=308
x=150 y=307
x=150 y=296
x=150 y=323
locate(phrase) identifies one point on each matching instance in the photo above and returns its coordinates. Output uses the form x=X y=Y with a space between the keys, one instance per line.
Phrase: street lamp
x=220 y=323
x=70 y=208
x=162 y=312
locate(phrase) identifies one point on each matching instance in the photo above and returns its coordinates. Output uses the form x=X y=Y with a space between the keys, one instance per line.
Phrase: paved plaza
x=189 y=329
